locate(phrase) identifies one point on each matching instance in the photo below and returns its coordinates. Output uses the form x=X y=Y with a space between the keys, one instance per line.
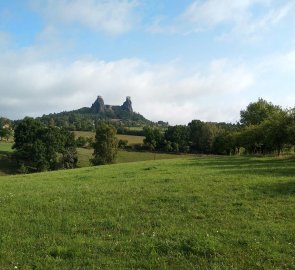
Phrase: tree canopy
x=40 y=148
x=105 y=145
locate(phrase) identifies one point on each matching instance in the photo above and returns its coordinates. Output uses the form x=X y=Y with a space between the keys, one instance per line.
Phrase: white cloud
x=213 y=12
x=247 y=18
x=109 y=16
x=160 y=92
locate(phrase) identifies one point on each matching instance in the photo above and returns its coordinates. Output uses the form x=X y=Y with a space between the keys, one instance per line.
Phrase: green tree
x=41 y=148
x=291 y=126
x=257 y=112
x=154 y=138
x=179 y=135
x=252 y=138
x=276 y=131
x=105 y=145
x=202 y=135
x=223 y=143
x=5 y=133
x=122 y=144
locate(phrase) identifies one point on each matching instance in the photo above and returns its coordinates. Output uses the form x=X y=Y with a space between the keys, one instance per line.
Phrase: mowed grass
x=198 y=213
x=131 y=139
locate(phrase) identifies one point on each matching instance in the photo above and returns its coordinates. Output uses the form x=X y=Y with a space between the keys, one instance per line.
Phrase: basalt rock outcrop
x=86 y=117
x=99 y=107
x=127 y=105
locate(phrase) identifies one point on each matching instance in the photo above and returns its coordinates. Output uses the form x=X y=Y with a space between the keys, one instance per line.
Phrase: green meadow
x=84 y=155
x=196 y=213
x=130 y=138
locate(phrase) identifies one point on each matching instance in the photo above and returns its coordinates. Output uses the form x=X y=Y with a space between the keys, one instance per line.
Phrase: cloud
x=113 y=17
x=160 y=92
x=231 y=19
x=213 y=12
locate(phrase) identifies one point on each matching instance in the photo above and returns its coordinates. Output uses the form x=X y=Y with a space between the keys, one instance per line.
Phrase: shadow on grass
x=7 y=164
x=273 y=189
x=275 y=166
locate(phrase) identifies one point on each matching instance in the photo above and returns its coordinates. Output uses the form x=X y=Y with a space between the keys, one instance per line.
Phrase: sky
x=178 y=60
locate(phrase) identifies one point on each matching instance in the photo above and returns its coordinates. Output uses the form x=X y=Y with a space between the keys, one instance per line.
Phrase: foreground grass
x=203 y=213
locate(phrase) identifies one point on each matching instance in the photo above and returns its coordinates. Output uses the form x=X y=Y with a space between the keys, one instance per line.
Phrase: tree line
x=263 y=128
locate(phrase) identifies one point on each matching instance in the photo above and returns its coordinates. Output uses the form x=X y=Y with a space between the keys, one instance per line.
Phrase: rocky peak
x=98 y=105
x=127 y=105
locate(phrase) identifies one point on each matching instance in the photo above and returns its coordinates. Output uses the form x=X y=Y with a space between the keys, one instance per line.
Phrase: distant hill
x=86 y=117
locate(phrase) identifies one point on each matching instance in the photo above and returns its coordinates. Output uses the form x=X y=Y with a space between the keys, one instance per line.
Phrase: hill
x=201 y=213
x=85 y=118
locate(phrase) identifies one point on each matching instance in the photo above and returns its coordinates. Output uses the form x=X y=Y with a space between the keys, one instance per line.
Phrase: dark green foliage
x=267 y=128
x=85 y=119
x=203 y=135
x=178 y=137
x=81 y=141
x=122 y=144
x=154 y=138
x=5 y=133
x=224 y=143
x=275 y=130
x=105 y=145
x=41 y=148
x=291 y=126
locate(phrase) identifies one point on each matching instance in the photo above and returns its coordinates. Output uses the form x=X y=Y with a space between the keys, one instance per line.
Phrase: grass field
x=131 y=139
x=84 y=155
x=198 y=213
x=124 y=156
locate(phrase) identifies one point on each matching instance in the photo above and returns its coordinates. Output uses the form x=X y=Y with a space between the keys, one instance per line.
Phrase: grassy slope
x=205 y=213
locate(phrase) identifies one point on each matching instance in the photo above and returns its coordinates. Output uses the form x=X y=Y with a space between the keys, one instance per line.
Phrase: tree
x=257 y=112
x=5 y=133
x=105 y=145
x=252 y=138
x=178 y=135
x=41 y=148
x=154 y=138
x=202 y=135
x=122 y=144
x=275 y=130
x=291 y=126
x=224 y=143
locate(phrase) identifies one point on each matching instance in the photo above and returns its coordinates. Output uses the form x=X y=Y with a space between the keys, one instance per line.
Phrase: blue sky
x=178 y=60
